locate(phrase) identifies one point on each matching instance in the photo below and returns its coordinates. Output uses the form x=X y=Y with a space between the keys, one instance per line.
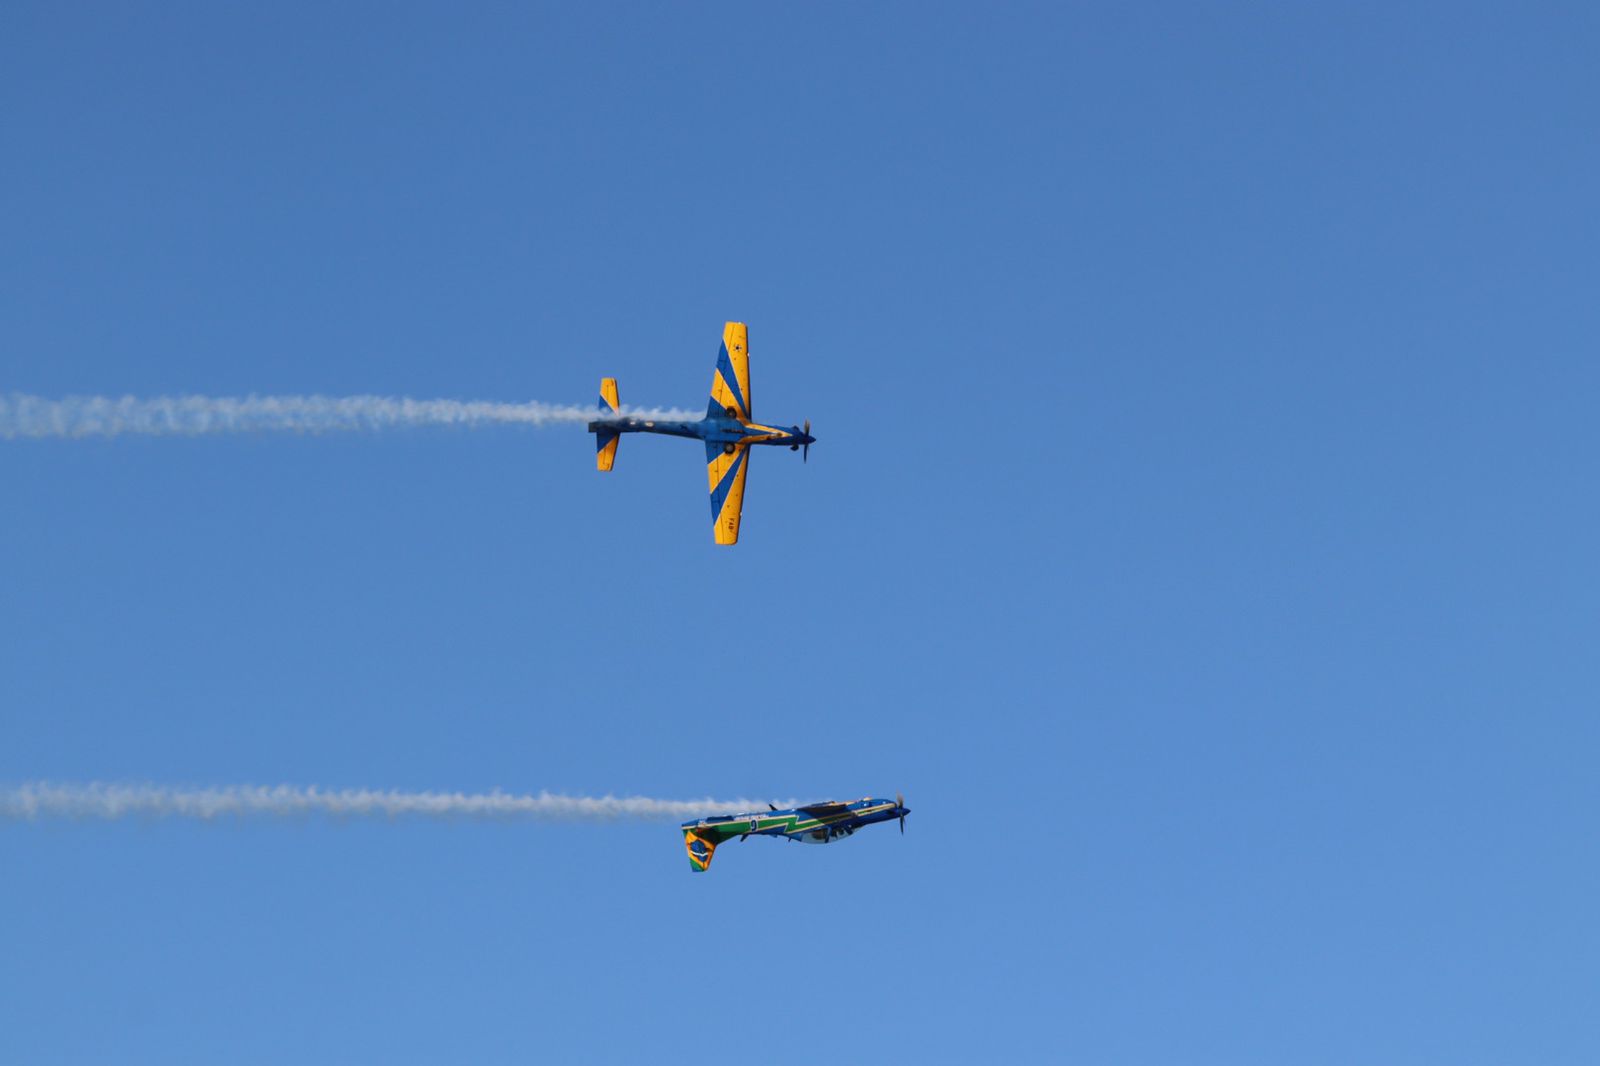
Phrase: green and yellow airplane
x=815 y=823
x=727 y=431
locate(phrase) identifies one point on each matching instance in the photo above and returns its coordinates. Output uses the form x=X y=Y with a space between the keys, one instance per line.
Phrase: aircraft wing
x=822 y=811
x=730 y=384
x=726 y=474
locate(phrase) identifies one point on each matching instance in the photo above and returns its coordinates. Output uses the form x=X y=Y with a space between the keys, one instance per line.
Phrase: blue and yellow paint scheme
x=815 y=823
x=728 y=430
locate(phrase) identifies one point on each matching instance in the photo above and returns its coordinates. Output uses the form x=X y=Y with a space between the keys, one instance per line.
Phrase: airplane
x=815 y=823
x=726 y=430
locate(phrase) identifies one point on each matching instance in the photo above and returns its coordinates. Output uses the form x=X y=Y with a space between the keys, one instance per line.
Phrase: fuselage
x=815 y=824
x=722 y=429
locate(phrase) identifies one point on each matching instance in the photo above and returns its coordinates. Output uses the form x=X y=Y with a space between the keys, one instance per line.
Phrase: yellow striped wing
x=730 y=384
x=726 y=473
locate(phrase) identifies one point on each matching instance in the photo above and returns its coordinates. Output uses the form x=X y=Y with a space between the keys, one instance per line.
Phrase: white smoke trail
x=112 y=801
x=105 y=416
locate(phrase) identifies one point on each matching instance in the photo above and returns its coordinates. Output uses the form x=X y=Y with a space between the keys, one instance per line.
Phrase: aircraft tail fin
x=700 y=848
x=605 y=441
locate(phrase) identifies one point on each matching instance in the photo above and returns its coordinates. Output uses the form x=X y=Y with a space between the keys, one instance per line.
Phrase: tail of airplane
x=605 y=442
x=700 y=848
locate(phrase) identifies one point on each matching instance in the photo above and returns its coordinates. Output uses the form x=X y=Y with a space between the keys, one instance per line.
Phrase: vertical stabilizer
x=700 y=848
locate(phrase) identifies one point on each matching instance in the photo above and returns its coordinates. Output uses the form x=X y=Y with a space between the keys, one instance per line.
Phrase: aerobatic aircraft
x=815 y=823
x=727 y=431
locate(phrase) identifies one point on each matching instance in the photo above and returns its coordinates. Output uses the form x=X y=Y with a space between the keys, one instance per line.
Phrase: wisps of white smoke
x=112 y=801
x=105 y=416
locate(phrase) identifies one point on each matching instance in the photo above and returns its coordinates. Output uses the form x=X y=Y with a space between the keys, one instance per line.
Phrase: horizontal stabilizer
x=605 y=441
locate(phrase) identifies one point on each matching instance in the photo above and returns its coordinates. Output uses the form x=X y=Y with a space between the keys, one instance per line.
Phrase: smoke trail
x=112 y=801
x=105 y=416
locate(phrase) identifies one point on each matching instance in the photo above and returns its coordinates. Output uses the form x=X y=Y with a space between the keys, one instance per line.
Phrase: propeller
x=806 y=454
x=900 y=801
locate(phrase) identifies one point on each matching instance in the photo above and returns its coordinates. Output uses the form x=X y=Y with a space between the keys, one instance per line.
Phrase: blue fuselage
x=711 y=429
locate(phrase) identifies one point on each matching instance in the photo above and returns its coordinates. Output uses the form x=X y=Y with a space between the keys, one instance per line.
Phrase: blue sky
x=1201 y=530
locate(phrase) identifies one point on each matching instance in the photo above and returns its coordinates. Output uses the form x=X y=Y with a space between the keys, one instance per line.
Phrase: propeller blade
x=900 y=801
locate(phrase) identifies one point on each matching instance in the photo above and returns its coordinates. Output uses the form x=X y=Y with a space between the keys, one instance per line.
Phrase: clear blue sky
x=1201 y=533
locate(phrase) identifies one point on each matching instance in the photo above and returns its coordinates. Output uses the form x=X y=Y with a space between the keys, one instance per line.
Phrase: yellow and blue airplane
x=727 y=430
x=815 y=823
